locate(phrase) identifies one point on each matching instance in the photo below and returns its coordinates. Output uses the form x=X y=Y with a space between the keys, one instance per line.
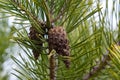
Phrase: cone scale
x=57 y=40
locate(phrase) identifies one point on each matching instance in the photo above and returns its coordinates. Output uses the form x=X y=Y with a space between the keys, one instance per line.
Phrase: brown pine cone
x=33 y=36
x=57 y=40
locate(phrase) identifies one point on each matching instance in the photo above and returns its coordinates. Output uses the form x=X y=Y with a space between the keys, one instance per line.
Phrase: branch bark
x=52 y=68
x=98 y=67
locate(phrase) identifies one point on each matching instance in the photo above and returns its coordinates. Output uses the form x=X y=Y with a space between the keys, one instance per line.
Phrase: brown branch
x=98 y=67
x=52 y=68
x=58 y=17
x=62 y=11
x=52 y=6
x=53 y=65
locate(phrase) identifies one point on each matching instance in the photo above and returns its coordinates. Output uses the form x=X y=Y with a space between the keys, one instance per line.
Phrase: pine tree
x=65 y=39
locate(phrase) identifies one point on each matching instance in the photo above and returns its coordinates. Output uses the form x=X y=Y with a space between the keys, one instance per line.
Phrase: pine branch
x=75 y=15
x=52 y=65
x=29 y=14
x=52 y=6
x=97 y=68
x=61 y=13
x=52 y=68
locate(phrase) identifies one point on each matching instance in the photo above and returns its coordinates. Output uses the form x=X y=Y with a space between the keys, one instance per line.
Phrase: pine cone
x=57 y=40
x=33 y=36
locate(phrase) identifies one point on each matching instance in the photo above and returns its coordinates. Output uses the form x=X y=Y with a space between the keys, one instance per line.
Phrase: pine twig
x=59 y=16
x=28 y=13
x=52 y=65
x=98 y=67
x=52 y=6
x=52 y=68
x=61 y=13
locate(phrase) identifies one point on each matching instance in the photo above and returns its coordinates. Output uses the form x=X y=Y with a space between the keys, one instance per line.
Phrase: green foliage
x=4 y=44
x=89 y=31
